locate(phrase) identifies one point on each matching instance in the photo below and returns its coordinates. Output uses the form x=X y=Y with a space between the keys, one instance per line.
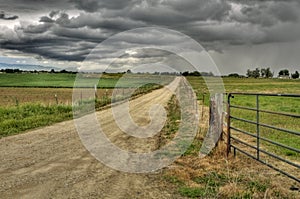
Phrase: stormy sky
x=237 y=34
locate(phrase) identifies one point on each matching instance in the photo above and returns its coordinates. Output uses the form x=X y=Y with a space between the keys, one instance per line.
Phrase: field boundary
x=244 y=146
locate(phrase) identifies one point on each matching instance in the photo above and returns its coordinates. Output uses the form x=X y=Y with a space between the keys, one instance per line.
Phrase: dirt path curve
x=52 y=162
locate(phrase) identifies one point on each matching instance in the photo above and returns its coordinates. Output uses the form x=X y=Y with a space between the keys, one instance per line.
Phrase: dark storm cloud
x=95 y=5
x=6 y=17
x=269 y=13
x=216 y=24
x=27 y=6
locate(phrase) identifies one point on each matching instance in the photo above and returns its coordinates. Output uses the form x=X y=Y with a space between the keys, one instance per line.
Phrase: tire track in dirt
x=51 y=162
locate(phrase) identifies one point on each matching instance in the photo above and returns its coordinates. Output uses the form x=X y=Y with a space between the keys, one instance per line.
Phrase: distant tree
x=207 y=74
x=253 y=73
x=195 y=73
x=52 y=71
x=249 y=73
x=256 y=73
x=263 y=72
x=185 y=73
x=128 y=71
x=284 y=72
x=295 y=75
x=234 y=75
x=268 y=74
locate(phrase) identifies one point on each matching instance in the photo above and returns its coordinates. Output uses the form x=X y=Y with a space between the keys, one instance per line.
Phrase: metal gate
x=249 y=130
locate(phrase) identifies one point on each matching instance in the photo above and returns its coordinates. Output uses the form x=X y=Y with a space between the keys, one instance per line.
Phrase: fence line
x=257 y=135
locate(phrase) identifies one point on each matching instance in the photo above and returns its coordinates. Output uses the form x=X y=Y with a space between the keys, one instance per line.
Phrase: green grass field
x=270 y=103
x=63 y=80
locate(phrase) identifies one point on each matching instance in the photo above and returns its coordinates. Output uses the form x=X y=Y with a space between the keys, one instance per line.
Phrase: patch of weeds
x=194 y=148
x=173 y=180
x=246 y=195
x=210 y=184
x=212 y=179
x=257 y=186
x=172 y=124
x=194 y=192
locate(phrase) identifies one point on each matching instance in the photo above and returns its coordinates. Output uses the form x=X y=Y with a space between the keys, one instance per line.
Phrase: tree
x=234 y=75
x=195 y=73
x=185 y=73
x=284 y=72
x=253 y=73
x=256 y=73
x=128 y=71
x=249 y=73
x=263 y=72
x=268 y=74
x=295 y=75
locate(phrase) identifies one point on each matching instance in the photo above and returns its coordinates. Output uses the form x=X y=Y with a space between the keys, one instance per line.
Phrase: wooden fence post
x=215 y=124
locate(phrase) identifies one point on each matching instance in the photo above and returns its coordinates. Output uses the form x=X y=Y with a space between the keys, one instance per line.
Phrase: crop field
x=66 y=80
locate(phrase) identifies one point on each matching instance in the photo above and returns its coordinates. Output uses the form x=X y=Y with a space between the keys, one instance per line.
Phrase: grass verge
x=20 y=118
x=216 y=176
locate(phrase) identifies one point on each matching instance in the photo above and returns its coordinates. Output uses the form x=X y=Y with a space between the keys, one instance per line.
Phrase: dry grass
x=12 y=96
x=218 y=176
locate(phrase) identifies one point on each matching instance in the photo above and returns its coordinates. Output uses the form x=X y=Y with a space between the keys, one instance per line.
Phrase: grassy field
x=270 y=103
x=65 y=80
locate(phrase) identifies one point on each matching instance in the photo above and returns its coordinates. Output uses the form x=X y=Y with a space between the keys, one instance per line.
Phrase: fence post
x=215 y=124
x=95 y=88
x=203 y=100
x=257 y=125
x=56 y=99
x=228 y=124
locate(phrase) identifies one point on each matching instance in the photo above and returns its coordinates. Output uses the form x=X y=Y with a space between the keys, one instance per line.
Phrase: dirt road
x=52 y=162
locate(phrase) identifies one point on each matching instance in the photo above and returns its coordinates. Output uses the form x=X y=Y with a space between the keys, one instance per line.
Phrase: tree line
x=266 y=73
x=8 y=70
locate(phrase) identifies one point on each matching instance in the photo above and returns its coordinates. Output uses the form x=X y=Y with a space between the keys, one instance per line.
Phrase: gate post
x=257 y=126
x=215 y=124
x=228 y=124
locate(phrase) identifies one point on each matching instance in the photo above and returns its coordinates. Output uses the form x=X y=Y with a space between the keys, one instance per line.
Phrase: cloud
x=72 y=33
x=96 y=5
x=268 y=13
x=46 y=19
x=5 y=17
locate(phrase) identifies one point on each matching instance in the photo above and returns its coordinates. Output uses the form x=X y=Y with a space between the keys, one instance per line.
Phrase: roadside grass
x=17 y=119
x=216 y=176
x=171 y=126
